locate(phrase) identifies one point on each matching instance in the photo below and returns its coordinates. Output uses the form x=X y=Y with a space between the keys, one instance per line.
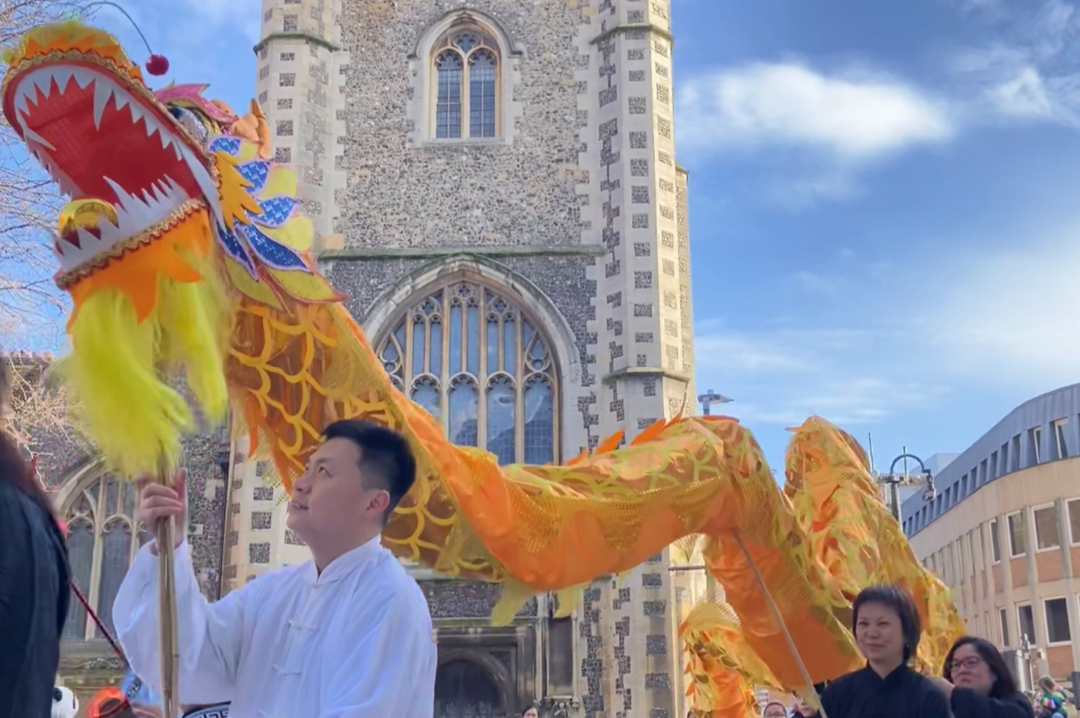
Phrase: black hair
x=1004 y=683
x=531 y=705
x=384 y=455
x=899 y=601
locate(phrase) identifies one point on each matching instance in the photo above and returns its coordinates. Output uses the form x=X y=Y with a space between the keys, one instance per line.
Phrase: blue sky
x=883 y=200
x=883 y=210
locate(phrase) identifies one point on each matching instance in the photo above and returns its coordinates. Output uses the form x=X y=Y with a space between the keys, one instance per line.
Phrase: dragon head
x=176 y=217
x=135 y=163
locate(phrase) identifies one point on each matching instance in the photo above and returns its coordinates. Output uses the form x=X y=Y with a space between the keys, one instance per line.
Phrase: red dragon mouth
x=103 y=139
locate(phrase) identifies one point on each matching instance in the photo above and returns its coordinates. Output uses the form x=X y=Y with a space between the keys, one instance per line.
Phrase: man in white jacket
x=346 y=635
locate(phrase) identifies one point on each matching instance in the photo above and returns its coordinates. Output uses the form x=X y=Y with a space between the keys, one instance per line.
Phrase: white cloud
x=831 y=126
x=1010 y=316
x=784 y=104
x=1030 y=71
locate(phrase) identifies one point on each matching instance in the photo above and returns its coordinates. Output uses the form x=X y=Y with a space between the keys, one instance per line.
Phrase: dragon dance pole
x=170 y=657
x=783 y=626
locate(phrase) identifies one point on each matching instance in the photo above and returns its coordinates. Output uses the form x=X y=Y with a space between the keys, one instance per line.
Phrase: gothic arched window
x=465 y=63
x=100 y=524
x=478 y=364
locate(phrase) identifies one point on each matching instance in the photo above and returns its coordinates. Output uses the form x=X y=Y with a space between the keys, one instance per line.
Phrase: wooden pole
x=170 y=655
x=780 y=621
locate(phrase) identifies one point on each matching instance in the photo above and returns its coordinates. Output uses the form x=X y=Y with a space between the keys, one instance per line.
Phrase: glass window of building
x=1017 y=539
x=1046 y=528
x=1057 y=620
x=1026 y=620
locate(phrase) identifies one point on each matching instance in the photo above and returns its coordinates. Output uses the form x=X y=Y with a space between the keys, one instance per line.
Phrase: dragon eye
x=190 y=122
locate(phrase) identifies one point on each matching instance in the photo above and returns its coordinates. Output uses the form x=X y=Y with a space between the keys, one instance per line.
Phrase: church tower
x=494 y=185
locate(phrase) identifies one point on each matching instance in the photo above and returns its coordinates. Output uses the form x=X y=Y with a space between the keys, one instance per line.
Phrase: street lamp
x=893 y=480
x=709 y=398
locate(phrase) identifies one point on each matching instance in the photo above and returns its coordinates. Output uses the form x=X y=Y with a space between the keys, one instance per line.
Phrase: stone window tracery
x=466 y=72
x=102 y=541
x=481 y=366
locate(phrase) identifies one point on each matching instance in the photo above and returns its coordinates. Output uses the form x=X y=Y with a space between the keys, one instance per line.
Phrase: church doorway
x=464 y=689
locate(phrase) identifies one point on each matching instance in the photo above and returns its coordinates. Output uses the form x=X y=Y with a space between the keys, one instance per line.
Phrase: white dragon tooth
x=178 y=150
x=120 y=97
x=205 y=182
x=29 y=134
x=62 y=75
x=83 y=76
x=129 y=212
x=43 y=82
x=110 y=233
x=178 y=193
x=164 y=191
x=20 y=101
x=166 y=137
x=102 y=92
x=137 y=114
x=121 y=193
x=87 y=241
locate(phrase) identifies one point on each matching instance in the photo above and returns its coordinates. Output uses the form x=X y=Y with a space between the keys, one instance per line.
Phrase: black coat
x=34 y=600
x=902 y=694
x=965 y=704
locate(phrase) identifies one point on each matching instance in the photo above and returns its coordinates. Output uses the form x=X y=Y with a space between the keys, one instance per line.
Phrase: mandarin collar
x=343 y=565
x=898 y=676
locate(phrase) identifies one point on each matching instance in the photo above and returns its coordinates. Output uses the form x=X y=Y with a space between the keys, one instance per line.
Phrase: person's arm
x=967 y=704
x=935 y=702
x=388 y=667
x=210 y=635
x=16 y=603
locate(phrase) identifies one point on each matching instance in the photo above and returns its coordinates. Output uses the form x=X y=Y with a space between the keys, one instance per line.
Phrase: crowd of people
x=350 y=631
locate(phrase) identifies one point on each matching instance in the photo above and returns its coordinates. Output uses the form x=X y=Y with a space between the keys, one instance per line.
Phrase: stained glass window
x=466 y=66
x=100 y=517
x=478 y=364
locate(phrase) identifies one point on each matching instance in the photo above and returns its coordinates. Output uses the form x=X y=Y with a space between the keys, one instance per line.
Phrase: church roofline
x=391 y=253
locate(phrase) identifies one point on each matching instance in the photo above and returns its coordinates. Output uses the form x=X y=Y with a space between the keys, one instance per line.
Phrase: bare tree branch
x=31 y=201
x=39 y=416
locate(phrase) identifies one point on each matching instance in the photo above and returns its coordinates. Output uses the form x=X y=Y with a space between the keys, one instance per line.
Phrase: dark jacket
x=34 y=600
x=902 y=694
x=966 y=704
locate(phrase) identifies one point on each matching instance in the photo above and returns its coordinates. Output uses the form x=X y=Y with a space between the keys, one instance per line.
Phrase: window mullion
x=444 y=378
x=555 y=409
x=92 y=591
x=466 y=128
x=519 y=391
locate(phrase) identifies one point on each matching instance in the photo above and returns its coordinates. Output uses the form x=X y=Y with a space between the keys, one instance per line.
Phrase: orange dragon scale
x=184 y=246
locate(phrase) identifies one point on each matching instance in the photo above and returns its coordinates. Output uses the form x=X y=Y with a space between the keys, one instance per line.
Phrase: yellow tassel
x=119 y=366
x=133 y=417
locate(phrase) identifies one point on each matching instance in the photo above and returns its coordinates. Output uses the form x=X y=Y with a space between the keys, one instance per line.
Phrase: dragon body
x=184 y=246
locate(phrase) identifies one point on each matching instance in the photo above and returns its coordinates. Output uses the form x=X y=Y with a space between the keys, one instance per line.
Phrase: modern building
x=494 y=186
x=1003 y=530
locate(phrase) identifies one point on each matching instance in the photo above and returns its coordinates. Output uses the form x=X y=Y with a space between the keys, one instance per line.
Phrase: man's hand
x=157 y=502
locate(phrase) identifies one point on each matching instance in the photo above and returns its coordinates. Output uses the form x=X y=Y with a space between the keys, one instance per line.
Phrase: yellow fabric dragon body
x=184 y=247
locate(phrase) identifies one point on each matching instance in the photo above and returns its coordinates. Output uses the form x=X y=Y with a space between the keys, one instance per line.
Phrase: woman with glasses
x=978 y=684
